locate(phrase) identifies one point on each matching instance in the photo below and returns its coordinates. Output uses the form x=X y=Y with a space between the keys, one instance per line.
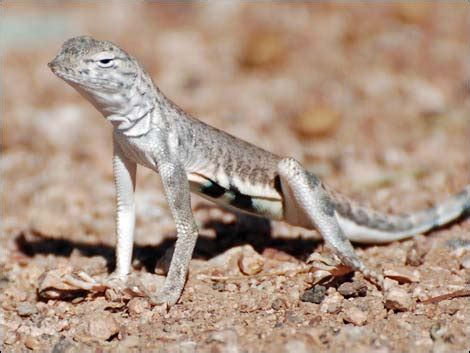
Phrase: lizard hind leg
x=308 y=204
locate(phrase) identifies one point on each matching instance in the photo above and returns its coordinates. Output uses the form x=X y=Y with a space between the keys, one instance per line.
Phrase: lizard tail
x=363 y=225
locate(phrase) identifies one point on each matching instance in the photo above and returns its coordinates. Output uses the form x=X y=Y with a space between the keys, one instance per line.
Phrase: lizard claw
x=82 y=280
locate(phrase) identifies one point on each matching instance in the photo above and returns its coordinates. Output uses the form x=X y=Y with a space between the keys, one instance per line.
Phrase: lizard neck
x=133 y=117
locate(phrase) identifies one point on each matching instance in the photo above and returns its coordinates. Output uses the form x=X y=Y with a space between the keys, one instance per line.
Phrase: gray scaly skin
x=189 y=155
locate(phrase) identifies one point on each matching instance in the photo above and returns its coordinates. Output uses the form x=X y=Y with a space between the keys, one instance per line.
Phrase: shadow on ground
x=247 y=230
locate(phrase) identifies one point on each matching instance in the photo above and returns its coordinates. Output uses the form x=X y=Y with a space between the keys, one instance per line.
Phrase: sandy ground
x=371 y=98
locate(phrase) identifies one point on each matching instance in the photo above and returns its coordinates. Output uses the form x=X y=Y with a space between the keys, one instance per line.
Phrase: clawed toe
x=82 y=280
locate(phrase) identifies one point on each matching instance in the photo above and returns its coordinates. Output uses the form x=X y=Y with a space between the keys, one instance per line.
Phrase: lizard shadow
x=246 y=230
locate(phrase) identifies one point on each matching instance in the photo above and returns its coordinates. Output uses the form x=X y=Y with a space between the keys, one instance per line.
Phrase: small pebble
x=187 y=347
x=316 y=294
x=219 y=286
x=317 y=121
x=64 y=346
x=32 y=342
x=102 y=326
x=10 y=338
x=294 y=317
x=278 y=304
x=228 y=337
x=415 y=255
x=332 y=304
x=398 y=299
x=251 y=264
x=355 y=316
x=262 y=50
x=26 y=309
x=465 y=262
x=353 y=289
x=296 y=346
x=137 y=306
x=231 y=287
x=458 y=243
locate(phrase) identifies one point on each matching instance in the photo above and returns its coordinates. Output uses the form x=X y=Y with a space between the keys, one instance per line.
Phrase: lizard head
x=99 y=70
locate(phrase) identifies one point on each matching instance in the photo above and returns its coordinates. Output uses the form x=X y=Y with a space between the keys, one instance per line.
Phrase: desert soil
x=372 y=98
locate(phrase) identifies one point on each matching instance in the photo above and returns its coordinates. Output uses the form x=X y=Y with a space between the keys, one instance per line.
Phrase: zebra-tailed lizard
x=189 y=155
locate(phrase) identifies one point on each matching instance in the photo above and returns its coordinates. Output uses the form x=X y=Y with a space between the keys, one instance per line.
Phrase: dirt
x=372 y=98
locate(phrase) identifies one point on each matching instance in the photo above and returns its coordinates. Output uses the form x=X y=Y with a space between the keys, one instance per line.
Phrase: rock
x=65 y=346
x=227 y=338
x=332 y=304
x=218 y=286
x=137 y=306
x=296 y=346
x=101 y=326
x=317 y=121
x=415 y=255
x=249 y=302
x=264 y=49
x=412 y=13
x=427 y=98
x=10 y=337
x=398 y=299
x=250 y=263
x=32 y=342
x=187 y=347
x=26 y=309
x=457 y=244
x=231 y=287
x=293 y=293
x=245 y=258
x=316 y=294
x=278 y=304
x=465 y=262
x=353 y=289
x=355 y=316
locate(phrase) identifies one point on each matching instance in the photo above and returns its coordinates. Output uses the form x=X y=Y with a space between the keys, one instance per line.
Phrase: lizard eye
x=106 y=62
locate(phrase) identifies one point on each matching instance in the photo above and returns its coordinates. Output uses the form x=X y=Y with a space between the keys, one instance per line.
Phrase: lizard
x=191 y=156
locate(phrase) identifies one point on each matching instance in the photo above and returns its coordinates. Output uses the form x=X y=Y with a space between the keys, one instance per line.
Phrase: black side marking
x=277 y=184
x=240 y=200
x=213 y=190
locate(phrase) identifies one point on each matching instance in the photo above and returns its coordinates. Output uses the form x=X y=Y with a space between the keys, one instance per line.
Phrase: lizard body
x=190 y=155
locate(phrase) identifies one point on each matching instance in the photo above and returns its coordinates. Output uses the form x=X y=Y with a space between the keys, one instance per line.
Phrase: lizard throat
x=135 y=119
x=134 y=124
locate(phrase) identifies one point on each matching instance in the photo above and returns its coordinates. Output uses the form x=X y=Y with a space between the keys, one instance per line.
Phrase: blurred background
x=373 y=98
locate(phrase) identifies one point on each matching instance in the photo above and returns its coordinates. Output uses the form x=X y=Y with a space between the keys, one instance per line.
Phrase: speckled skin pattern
x=189 y=155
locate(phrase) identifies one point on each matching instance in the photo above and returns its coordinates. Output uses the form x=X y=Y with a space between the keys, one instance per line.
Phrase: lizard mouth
x=87 y=82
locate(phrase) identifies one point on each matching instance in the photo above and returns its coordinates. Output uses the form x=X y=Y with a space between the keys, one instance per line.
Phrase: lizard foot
x=65 y=283
x=327 y=267
x=168 y=295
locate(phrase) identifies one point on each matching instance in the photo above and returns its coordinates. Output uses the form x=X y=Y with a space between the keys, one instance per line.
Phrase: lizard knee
x=290 y=168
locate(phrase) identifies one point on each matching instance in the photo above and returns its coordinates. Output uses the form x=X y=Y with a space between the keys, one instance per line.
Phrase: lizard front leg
x=124 y=171
x=124 y=180
x=176 y=187
x=308 y=204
